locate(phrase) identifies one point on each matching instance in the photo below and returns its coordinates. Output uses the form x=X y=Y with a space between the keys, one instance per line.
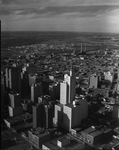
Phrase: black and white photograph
x=59 y=74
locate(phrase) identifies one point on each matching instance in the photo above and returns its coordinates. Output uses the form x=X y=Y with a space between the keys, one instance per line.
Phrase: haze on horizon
x=60 y=15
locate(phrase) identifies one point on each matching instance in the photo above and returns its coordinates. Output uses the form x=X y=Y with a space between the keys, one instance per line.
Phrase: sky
x=60 y=15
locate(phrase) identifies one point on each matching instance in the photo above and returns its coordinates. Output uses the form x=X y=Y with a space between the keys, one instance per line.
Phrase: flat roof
x=74 y=144
x=96 y=133
x=89 y=130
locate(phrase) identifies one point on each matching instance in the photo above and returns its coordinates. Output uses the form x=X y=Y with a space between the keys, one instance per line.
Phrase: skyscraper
x=71 y=116
x=71 y=81
x=115 y=113
x=64 y=91
x=36 y=91
x=13 y=79
x=15 y=107
x=38 y=110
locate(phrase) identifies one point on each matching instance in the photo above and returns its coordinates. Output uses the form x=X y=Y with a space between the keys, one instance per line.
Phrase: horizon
x=65 y=31
x=60 y=16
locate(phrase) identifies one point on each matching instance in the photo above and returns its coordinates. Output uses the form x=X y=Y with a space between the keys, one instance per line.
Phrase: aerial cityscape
x=59 y=84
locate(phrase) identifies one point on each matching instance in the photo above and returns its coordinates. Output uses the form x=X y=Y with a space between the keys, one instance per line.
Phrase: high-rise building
x=43 y=116
x=58 y=115
x=30 y=69
x=44 y=98
x=38 y=111
x=2 y=97
x=71 y=116
x=84 y=106
x=48 y=117
x=45 y=84
x=13 y=79
x=115 y=113
x=64 y=92
x=71 y=80
x=68 y=85
x=15 y=107
x=36 y=91
x=54 y=91
x=33 y=79
x=14 y=99
x=25 y=88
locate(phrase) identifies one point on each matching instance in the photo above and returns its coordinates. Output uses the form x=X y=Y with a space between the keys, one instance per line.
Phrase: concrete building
x=38 y=111
x=84 y=106
x=71 y=116
x=44 y=98
x=58 y=115
x=33 y=79
x=37 y=137
x=108 y=76
x=67 y=88
x=62 y=143
x=94 y=137
x=54 y=91
x=25 y=88
x=71 y=80
x=30 y=69
x=13 y=79
x=14 y=99
x=15 y=111
x=2 y=97
x=64 y=93
x=93 y=81
x=43 y=116
x=15 y=108
x=36 y=91
x=48 y=116
x=115 y=113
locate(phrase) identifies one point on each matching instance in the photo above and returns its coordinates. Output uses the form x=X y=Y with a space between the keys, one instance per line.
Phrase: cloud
x=75 y=11
x=70 y=13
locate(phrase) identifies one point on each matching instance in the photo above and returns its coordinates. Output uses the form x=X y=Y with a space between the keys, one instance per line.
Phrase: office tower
x=48 y=116
x=25 y=88
x=94 y=79
x=36 y=91
x=71 y=116
x=15 y=107
x=2 y=97
x=13 y=79
x=14 y=99
x=30 y=69
x=84 y=106
x=38 y=112
x=54 y=91
x=71 y=81
x=44 y=98
x=43 y=116
x=108 y=76
x=118 y=72
x=33 y=79
x=115 y=113
x=58 y=115
x=45 y=84
x=85 y=48
x=67 y=88
x=81 y=48
x=64 y=92
x=58 y=90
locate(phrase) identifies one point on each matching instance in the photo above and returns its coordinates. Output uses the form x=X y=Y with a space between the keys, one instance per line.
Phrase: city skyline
x=63 y=15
